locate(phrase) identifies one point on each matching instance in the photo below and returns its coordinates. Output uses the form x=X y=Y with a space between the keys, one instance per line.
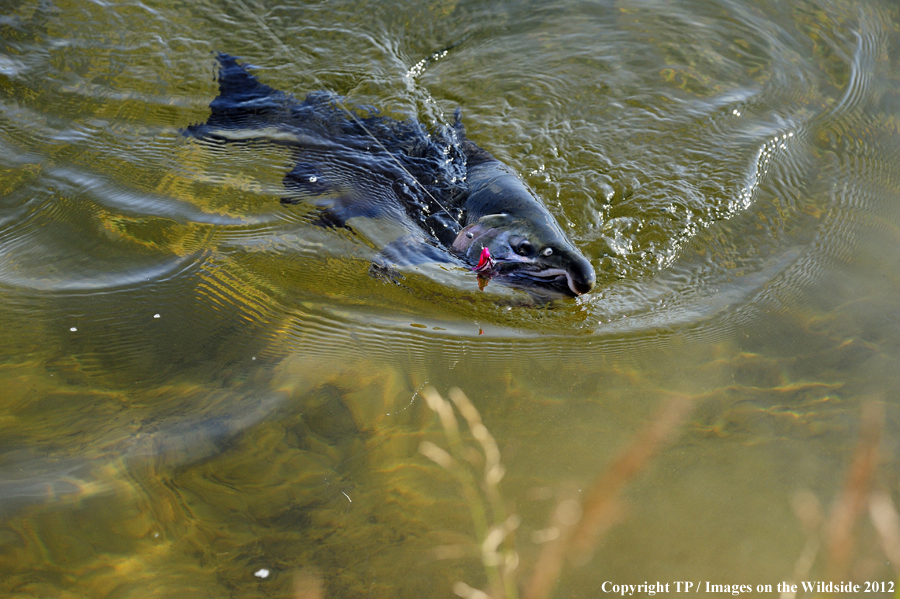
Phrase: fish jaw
x=579 y=278
x=573 y=276
x=565 y=271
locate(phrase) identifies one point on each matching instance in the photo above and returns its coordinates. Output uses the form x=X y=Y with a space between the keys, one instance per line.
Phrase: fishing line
x=288 y=52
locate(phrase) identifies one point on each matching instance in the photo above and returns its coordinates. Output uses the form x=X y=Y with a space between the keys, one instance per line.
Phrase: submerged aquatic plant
x=493 y=527
x=576 y=527
x=580 y=527
x=836 y=533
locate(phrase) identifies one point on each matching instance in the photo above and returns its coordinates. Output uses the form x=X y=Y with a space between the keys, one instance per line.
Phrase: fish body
x=420 y=196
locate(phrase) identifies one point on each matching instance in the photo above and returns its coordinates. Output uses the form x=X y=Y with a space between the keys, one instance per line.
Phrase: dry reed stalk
x=840 y=530
x=578 y=536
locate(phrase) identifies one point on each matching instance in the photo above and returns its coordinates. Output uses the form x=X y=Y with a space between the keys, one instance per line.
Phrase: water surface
x=199 y=384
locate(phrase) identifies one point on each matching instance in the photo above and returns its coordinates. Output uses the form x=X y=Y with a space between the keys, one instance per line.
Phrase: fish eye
x=546 y=251
x=524 y=248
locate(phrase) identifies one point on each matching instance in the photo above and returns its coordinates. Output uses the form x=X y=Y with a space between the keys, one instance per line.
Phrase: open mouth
x=555 y=279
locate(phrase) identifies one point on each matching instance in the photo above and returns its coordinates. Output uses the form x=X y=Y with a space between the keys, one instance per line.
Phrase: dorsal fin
x=474 y=154
x=243 y=102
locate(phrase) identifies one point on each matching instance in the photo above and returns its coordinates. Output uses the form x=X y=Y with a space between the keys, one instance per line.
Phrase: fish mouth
x=529 y=273
x=556 y=279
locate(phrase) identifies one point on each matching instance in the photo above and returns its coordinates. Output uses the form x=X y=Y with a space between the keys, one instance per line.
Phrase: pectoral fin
x=410 y=250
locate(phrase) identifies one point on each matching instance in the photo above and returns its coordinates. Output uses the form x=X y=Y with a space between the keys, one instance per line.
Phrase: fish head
x=527 y=254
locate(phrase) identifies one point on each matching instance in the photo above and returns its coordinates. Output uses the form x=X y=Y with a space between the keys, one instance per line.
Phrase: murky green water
x=197 y=385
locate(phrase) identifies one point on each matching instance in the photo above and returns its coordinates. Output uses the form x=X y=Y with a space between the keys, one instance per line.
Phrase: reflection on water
x=204 y=395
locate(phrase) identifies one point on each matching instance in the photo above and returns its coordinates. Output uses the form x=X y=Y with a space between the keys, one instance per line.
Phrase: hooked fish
x=420 y=196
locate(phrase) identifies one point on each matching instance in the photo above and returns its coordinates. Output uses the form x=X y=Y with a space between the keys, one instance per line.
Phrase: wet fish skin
x=504 y=215
x=443 y=197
